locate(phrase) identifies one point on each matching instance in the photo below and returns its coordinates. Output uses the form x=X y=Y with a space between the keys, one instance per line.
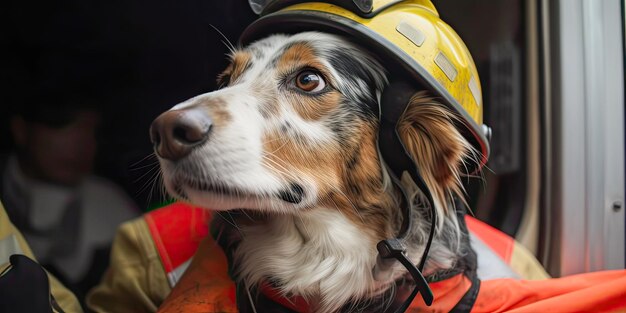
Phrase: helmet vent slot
x=411 y=33
x=475 y=90
x=446 y=66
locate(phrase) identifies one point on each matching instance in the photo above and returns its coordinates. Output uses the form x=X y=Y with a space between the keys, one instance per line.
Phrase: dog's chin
x=224 y=202
x=287 y=200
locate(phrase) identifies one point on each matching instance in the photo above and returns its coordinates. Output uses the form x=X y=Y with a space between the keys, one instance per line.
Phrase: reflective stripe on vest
x=177 y=230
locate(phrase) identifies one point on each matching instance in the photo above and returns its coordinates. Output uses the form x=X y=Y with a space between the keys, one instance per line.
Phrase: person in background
x=67 y=214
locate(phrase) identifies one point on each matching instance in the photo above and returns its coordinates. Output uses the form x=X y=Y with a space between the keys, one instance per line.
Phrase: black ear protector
x=362 y=8
x=393 y=104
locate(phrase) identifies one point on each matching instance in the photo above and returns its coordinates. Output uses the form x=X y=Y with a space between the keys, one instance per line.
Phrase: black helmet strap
x=394 y=101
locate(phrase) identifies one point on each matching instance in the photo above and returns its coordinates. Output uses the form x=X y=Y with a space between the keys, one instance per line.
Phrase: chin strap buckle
x=391 y=250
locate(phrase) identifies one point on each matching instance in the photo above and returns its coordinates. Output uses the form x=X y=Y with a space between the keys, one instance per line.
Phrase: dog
x=290 y=138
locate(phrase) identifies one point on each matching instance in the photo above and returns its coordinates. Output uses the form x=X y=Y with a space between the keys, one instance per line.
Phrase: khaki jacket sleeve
x=12 y=242
x=526 y=264
x=135 y=281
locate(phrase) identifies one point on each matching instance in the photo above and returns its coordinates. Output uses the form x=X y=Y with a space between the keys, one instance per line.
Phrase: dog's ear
x=428 y=132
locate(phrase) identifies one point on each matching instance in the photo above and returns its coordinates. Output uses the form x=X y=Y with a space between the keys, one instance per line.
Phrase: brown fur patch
x=363 y=182
x=428 y=132
x=312 y=108
x=240 y=62
x=287 y=156
x=295 y=56
x=348 y=175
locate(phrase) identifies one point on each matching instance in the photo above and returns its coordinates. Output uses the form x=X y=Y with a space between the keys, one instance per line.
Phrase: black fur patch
x=285 y=127
x=352 y=70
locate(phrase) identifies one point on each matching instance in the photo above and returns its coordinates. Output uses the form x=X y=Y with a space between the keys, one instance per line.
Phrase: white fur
x=315 y=253
x=235 y=155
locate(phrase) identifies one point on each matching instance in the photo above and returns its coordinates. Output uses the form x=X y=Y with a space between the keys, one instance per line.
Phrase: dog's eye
x=310 y=81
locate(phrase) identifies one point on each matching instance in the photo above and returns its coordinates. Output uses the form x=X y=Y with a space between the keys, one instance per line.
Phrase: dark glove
x=24 y=287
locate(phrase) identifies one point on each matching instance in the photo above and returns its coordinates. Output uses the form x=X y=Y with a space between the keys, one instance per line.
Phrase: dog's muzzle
x=176 y=133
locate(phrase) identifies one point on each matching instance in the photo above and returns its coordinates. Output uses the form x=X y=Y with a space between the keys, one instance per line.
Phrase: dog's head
x=280 y=131
x=293 y=126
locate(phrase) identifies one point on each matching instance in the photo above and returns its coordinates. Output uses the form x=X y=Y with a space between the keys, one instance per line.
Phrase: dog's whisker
x=272 y=165
x=227 y=42
x=151 y=174
x=150 y=155
x=154 y=164
x=154 y=182
x=250 y=299
x=267 y=141
x=138 y=165
x=234 y=222
x=247 y=215
x=231 y=49
x=162 y=196
x=281 y=146
x=303 y=223
x=286 y=173
x=147 y=183
x=231 y=222
x=148 y=172
x=159 y=188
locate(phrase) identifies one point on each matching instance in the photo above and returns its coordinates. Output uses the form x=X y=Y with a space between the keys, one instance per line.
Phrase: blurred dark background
x=134 y=58
x=138 y=58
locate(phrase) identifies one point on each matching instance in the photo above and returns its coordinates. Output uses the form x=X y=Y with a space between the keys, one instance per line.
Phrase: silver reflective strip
x=411 y=33
x=446 y=66
x=473 y=87
x=490 y=265
x=257 y=6
x=175 y=275
x=8 y=247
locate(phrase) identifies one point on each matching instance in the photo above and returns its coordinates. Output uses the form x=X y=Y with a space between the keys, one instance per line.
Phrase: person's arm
x=135 y=280
x=12 y=242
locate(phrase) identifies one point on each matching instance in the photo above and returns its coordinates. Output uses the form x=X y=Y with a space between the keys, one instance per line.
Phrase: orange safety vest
x=179 y=229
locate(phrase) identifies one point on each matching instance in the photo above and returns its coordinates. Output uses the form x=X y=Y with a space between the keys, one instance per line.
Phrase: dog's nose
x=175 y=133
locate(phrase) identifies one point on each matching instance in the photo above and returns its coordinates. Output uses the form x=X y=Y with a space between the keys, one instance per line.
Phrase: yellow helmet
x=408 y=37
